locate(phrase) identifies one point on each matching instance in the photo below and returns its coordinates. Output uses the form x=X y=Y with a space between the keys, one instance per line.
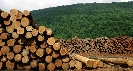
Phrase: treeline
x=88 y=20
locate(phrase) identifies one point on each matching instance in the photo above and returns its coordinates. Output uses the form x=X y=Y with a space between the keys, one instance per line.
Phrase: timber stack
x=26 y=46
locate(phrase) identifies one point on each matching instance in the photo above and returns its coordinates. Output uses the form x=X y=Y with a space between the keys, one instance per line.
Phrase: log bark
x=56 y=46
x=17 y=48
x=58 y=62
x=40 y=52
x=10 y=55
x=25 y=59
x=5 y=50
x=18 y=57
x=10 y=65
x=51 y=41
x=33 y=63
x=48 y=59
x=51 y=66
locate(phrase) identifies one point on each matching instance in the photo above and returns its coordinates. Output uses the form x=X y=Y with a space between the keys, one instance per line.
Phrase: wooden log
x=22 y=40
x=25 y=59
x=13 y=12
x=5 y=50
x=40 y=52
x=48 y=59
x=19 y=16
x=43 y=44
x=4 y=35
x=27 y=67
x=32 y=41
x=0 y=53
x=15 y=35
x=120 y=61
x=78 y=65
x=20 y=66
x=2 y=43
x=63 y=51
x=51 y=66
x=41 y=66
x=25 y=52
x=51 y=41
x=3 y=59
x=49 y=32
x=33 y=48
x=65 y=66
x=9 y=29
x=130 y=62
x=65 y=59
x=17 y=48
x=58 y=63
x=40 y=37
x=16 y=24
x=29 y=28
x=55 y=54
x=20 y=30
x=56 y=46
x=33 y=63
x=18 y=57
x=34 y=32
x=33 y=55
x=10 y=55
x=4 y=14
x=13 y=18
x=91 y=63
x=1 y=65
x=48 y=50
x=41 y=29
x=72 y=63
x=10 y=65
x=7 y=22
x=1 y=30
x=11 y=42
x=25 y=22
x=26 y=13
x=28 y=35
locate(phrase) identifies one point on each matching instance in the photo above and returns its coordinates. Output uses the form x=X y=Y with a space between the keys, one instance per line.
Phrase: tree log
x=34 y=32
x=48 y=59
x=2 y=43
x=32 y=48
x=41 y=29
x=16 y=24
x=1 y=65
x=25 y=59
x=55 y=54
x=48 y=50
x=65 y=66
x=7 y=22
x=18 y=57
x=58 y=62
x=40 y=52
x=17 y=48
x=43 y=44
x=15 y=35
x=3 y=59
x=4 y=35
x=78 y=65
x=51 y=66
x=26 y=13
x=56 y=46
x=25 y=52
x=10 y=55
x=41 y=66
x=13 y=12
x=40 y=37
x=13 y=18
x=10 y=29
x=25 y=22
x=4 y=14
x=11 y=42
x=19 y=16
x=63 y=51
x=10 y=65
x=5 y=50
x=49 y=32
x=20 y=30
x=29 y=28
x=51 y=41
x=72 y=63
x=65 y=59
x=33 y=63
x=28 y=35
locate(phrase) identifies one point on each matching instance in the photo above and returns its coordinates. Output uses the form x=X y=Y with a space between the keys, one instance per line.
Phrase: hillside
x=88 y=20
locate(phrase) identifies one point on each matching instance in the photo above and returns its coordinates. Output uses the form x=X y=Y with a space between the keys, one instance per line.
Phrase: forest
x=88 y=20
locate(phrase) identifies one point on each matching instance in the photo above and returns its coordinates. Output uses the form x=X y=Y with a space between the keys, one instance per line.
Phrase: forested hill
x=90 y=20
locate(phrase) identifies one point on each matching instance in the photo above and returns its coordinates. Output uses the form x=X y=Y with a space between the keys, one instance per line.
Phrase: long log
x=91 y=63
